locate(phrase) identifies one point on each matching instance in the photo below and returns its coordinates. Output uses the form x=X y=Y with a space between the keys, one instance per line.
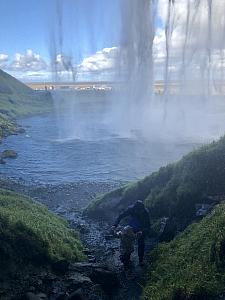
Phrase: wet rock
x=107 y=279
x=61 y=267
x=77 y=295
x=62 y=296
x=32 y=296
x=81 y=227
x=2 y=162
x=9 y=154
x=91 y=259
x=78 y=280
x=87 y=251
x=42 y=296
x=49 y=278
x=97 y=293
x=20 y=130
x=85 y=267
x=202 y=209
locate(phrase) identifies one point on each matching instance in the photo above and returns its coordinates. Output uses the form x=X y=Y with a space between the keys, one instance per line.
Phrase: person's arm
x=123 y=215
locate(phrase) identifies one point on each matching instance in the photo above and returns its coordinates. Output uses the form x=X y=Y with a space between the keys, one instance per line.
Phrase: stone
x=107 y=279
x=61 y=267
x=42 y=296
x=85 y=267
x=9 y=154
x=202 y=209
x=77 y=280
x=32 y=296
x=2 y=162
x=77 y=295
x=62 y=296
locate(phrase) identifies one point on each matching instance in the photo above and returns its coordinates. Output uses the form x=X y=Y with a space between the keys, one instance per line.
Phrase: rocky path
x=101 y=251
x=103 y=277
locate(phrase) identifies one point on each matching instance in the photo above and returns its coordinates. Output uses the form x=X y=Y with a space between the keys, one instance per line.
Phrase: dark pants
x=141 y=247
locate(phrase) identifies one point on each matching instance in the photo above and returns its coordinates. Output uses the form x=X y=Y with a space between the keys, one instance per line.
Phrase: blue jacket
x=139 y=218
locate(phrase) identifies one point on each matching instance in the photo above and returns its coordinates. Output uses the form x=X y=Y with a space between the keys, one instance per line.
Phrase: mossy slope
x=29 y=233
x=174 y=190
x=17 y=100
x=192 y=266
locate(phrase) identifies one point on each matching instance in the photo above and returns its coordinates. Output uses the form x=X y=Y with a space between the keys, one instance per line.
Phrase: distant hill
x=16 y=100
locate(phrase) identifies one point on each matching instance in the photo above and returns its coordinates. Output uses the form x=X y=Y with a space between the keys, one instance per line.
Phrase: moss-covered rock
x=192 y=265
x=9 y=154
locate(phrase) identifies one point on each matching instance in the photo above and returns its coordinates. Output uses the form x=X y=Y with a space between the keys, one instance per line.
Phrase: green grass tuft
x=192 y=265
x=30 y=233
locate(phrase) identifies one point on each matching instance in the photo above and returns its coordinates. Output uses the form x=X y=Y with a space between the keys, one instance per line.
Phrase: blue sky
x=27 y=23
x=88 y=26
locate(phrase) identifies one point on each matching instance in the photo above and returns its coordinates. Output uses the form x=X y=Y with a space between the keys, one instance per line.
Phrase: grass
x=18 y=100
x=29 y=233
x=174 y=190
x=7 y=126
x=192 y=265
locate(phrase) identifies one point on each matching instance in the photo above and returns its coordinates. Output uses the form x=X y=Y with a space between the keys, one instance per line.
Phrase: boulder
x=2 y=162
x=77 y=295
x=107 y=279
x=9 y=154
x=61 y=267
x=77 y=280
x=99 y=274
x=32 y=296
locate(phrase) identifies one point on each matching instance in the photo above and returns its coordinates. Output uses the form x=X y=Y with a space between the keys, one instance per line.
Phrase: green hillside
x=192 y=265
x=17 y=100
x=174 y=190
x=29 y=233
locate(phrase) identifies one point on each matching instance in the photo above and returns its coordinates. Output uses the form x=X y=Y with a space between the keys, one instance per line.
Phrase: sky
x=27 y=28
x=83 y=37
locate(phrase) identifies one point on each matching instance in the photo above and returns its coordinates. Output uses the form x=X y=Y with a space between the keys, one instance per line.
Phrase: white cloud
x=28 y=61
x=101 y=61
x=3 y=59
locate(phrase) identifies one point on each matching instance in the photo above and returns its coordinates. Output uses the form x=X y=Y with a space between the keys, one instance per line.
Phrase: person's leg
x=141 y=248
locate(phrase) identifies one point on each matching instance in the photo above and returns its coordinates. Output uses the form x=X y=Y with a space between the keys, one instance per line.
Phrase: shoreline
x=73 y=196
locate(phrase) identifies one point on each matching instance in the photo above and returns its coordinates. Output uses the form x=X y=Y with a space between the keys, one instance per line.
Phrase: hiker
x=127 y=238
x=140 y=223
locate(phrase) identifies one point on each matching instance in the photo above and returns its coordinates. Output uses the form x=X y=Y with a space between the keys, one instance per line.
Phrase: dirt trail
x=68 y=201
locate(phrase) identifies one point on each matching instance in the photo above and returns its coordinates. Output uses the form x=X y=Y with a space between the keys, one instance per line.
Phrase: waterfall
x=169 y=60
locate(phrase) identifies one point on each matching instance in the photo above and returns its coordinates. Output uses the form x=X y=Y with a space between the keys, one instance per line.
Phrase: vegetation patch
x=29 y=233
x=192 y=266
x=18 y=100
x=7 y=126
x=174 y=190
